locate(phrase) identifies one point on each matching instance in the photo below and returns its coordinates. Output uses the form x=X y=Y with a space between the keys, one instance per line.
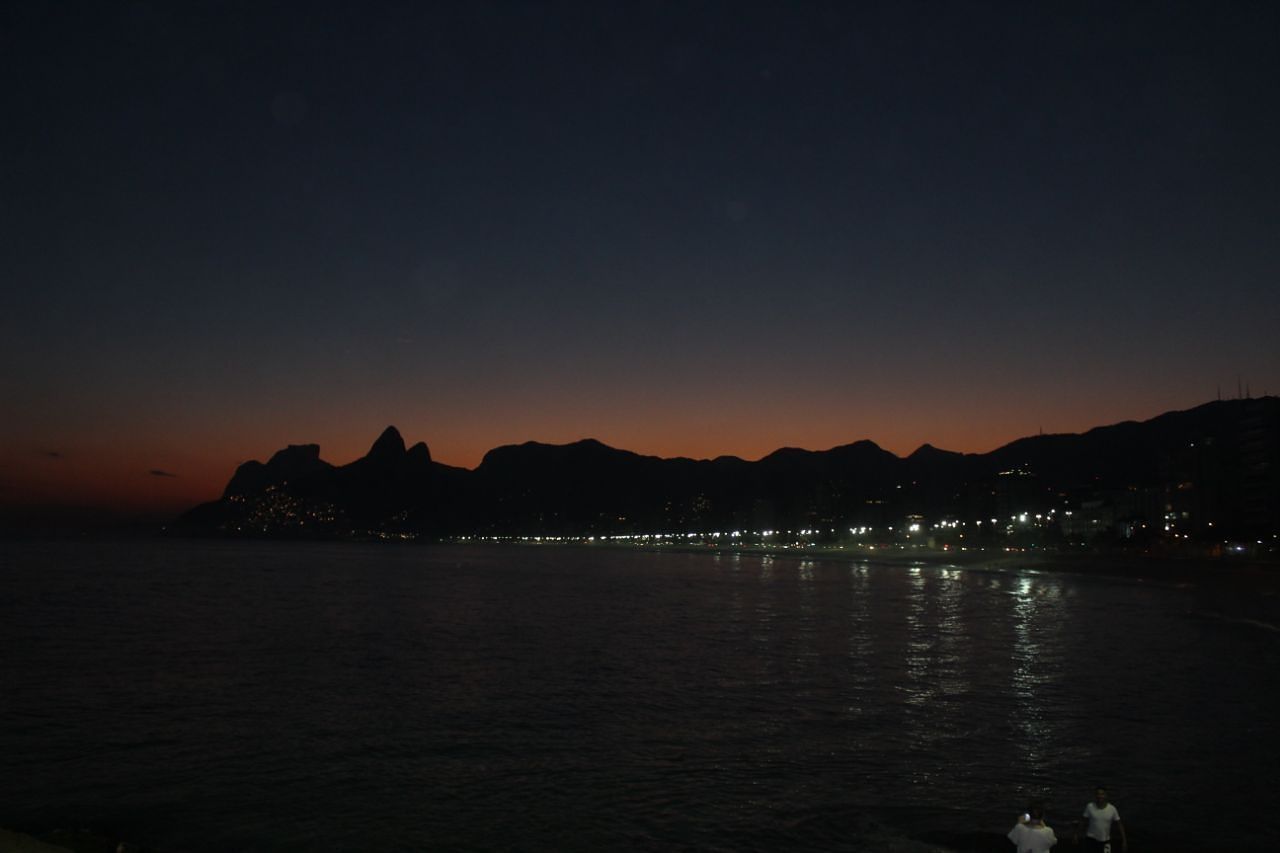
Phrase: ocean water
x=208 y=696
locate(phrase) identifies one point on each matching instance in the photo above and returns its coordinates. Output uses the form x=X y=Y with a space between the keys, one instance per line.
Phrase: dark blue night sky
x=680 y=228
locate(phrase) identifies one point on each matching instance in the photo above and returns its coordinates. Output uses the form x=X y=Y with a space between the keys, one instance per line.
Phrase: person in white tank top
x=1100 y=818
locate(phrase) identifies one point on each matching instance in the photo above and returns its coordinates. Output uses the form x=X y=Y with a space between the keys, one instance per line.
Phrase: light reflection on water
x=232 y=696
x=1029 y=675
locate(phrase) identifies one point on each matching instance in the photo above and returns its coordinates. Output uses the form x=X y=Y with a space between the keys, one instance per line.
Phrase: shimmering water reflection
x=269 y=697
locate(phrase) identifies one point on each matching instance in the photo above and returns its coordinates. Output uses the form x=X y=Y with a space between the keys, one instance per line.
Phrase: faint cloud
x=156 y=472
x=51 y=454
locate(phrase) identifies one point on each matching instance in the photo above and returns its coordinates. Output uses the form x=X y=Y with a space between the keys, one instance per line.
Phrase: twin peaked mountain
x=588 y=488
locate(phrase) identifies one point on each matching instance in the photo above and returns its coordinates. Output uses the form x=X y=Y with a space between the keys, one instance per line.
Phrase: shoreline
x=1173 y=565
x=937 y=841
x=1177 y=568
x=63 y=841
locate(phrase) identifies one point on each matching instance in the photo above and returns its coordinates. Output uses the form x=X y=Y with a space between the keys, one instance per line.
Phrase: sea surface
x=208 y=696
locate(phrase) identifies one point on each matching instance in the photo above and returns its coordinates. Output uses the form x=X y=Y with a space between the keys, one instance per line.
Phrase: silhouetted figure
x=1031 y=834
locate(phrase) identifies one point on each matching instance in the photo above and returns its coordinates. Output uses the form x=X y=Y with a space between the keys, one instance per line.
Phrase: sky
x=683 y=229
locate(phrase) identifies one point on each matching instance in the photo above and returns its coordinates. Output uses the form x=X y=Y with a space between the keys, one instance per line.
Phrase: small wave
x=1246 y=621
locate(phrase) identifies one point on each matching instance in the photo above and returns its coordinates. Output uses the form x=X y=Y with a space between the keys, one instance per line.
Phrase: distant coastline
x=1205 y=478
x=1155 y=566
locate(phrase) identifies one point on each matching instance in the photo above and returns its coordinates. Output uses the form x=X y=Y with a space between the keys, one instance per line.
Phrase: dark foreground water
x=282 y=697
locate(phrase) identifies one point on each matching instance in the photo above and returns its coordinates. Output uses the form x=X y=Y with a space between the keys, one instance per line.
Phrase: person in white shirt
x=1098 y=821
x=1031 y=834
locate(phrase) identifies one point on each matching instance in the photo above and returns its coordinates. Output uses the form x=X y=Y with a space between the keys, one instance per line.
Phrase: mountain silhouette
x=1220 y=460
